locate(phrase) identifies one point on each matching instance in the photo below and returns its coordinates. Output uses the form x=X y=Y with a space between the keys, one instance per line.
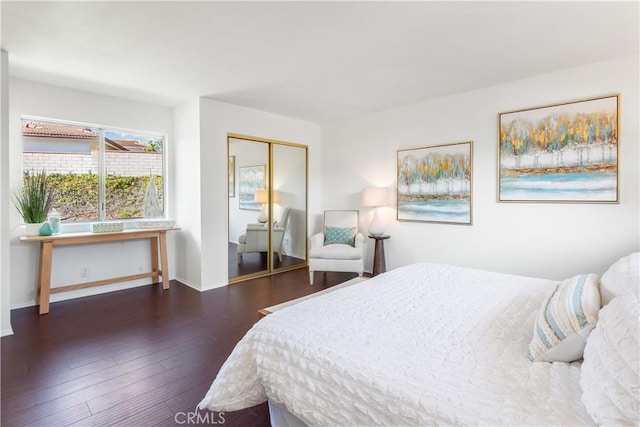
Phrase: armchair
x=339 y=247
x=256 y=237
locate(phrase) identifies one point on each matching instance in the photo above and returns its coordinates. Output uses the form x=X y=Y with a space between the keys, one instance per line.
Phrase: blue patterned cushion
x=565 y=320
x=343 y=235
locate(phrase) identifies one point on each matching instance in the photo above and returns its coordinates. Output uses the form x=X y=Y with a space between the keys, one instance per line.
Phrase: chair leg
x=310 y=277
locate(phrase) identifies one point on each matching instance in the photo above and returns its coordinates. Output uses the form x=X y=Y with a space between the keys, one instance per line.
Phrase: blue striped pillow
x=565 y=320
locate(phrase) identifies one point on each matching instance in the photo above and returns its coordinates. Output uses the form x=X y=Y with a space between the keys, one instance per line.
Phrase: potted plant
x=33 y=200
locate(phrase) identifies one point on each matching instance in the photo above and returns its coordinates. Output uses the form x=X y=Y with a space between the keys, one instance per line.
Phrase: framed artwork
x=560 y=153
x=250 y=179
x=434 y=183
x=232 y=176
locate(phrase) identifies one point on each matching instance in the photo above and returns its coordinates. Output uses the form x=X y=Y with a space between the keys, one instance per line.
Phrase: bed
x=425 y=344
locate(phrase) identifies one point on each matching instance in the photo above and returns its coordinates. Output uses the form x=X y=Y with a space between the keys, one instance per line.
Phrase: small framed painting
x=250 y=179
x=434 y=183
x=566 y=153
x=232 y=176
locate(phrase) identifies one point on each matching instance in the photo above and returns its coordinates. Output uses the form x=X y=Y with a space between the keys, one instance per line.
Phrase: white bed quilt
x=420 y=345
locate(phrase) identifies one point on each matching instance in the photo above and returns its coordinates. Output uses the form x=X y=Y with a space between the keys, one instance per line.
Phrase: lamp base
x=263 y=217
x=376 y=232
x=376 y=228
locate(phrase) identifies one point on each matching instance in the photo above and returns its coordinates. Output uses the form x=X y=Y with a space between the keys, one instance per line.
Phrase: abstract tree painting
x=434 y=183
x=560 y=153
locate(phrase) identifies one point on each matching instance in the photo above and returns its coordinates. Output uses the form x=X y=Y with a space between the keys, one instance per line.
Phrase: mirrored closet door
x=267 y=206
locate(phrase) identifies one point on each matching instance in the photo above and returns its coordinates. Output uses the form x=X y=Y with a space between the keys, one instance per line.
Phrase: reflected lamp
x=262 y=196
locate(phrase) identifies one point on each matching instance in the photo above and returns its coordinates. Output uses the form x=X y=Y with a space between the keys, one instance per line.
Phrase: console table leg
x=154 y=258
x=164 y=260
x=44 y=275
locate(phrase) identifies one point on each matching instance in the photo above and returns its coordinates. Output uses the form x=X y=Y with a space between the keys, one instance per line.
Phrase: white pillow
x=610 y=377
x=565 y=320
x=621 y=278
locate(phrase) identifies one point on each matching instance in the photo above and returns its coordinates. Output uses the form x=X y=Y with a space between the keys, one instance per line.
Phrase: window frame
x=101 y=130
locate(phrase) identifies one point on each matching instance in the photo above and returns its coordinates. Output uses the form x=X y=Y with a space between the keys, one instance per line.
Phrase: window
x=99 y=173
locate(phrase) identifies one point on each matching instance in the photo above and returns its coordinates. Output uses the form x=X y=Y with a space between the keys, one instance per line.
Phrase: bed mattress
x=420 y=345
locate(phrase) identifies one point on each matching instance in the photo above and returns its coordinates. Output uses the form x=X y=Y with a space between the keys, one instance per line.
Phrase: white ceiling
x=317 y=61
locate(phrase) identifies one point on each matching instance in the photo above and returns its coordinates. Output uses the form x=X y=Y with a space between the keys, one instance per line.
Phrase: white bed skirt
x=280 y=417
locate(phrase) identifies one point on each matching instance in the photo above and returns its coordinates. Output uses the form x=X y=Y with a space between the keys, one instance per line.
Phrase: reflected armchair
x=339 y=247
x=256 y=237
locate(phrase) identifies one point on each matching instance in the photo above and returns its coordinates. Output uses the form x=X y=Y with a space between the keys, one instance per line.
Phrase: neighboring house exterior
x=55 y=137
x=64 y=148
x=129 y=144
x=63 y=138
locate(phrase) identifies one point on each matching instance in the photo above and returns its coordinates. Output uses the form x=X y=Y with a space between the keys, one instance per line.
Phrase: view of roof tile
x=56 y=130
x=60 y=130
x=131 y=144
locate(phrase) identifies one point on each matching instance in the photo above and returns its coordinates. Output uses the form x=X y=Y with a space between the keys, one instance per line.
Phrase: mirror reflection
x=248 y=238
x=267 y=206
x=290 y=205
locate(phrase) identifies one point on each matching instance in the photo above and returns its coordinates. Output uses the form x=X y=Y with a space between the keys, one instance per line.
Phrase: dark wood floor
x=136 y=357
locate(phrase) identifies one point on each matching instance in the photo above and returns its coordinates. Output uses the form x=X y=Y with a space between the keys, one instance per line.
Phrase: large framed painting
x=560 y=153
x=231 y=169
x=250 y=179
x=434 y=183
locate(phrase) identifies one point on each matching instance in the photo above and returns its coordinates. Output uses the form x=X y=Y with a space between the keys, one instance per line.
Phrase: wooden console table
x=157 y=237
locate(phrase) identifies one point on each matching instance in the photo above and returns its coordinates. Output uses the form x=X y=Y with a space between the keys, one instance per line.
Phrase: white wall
x=103 y=260
x=538 y=239
x=5 y=283
x=188 y=190
x=216 y=120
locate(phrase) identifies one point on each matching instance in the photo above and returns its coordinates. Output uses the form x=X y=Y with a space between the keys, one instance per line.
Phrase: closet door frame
x=269 y=179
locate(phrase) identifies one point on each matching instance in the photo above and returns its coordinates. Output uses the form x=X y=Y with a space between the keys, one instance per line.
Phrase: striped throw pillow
x=343 y=235
x=565 y=320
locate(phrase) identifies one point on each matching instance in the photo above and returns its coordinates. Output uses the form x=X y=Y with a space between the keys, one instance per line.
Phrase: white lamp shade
x=375 y=196
x=262 y=196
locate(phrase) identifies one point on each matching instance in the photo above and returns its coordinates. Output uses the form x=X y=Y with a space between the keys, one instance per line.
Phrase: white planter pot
x=32 y=229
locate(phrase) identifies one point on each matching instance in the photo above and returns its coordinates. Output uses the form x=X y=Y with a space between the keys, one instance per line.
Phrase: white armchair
x=339 y=247
x=256 y=237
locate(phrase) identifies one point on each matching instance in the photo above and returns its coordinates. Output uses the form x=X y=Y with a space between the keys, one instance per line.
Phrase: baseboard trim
x=188 y=283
